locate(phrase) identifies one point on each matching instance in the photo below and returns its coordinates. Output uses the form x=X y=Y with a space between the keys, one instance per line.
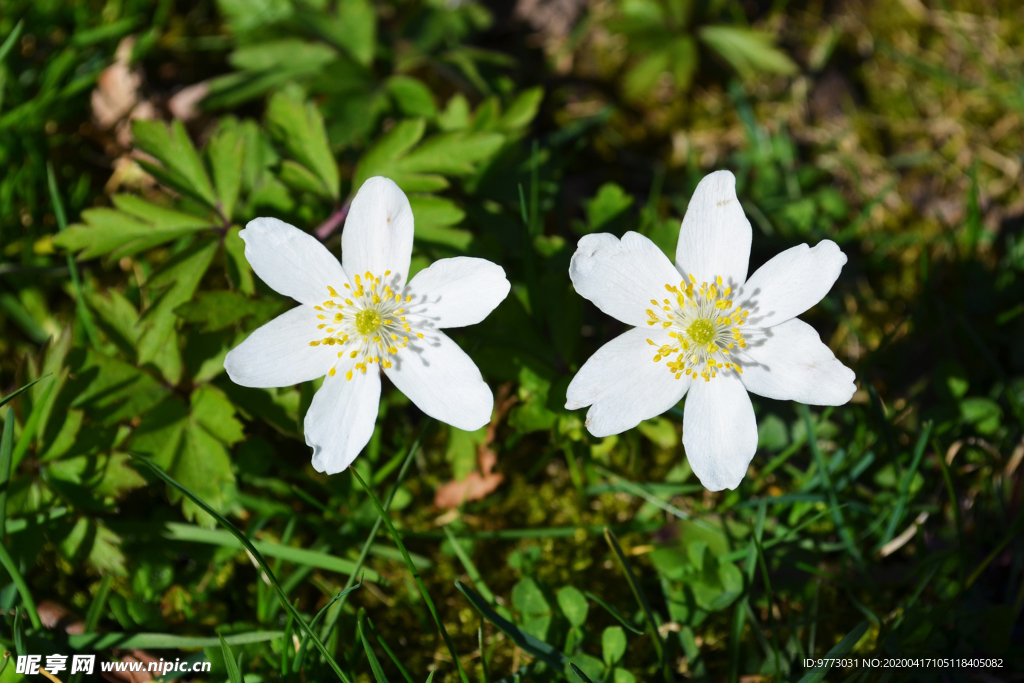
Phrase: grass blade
x=841 y=648
x=826 y=480
x=415 y=574
x=378 y=672
x=905 y=481
x=163 y=641
x=234 y=672
x=376 y=525
x=535 y=647
x=19 y=581
x=255 y=553
x=310 y=558
x=471 y=570
x=76 y=281
x=615 y=613
x=99 y=603
x=638 y=593
x=6 y=447
x=14 y=394
x=11 y=39
x=401 y=668
x=579 y=674
x=319 y=615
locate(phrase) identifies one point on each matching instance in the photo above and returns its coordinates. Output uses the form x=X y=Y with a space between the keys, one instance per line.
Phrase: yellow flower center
x=366 y=321
x=704 y=327
x=701 y=331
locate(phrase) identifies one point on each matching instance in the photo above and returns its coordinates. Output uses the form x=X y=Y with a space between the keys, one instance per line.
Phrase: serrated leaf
x=181 y=163
x=270 y=55
x=104 y=475
x=212 y=410
x=118 y=233
x=299 y=128
x=358 y=36
x=747 y=50
x=91 y=541
x=239 y=270
x=117 y=318
x=522 y=110
x=180 y=276
x=226 y=153
x=113 y=390
x=450 y=153
x=392 y=145
x=413 y=98
x=222 y=309
x=180 y=442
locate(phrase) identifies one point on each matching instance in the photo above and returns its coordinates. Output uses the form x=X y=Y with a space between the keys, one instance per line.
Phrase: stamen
x=703 y=325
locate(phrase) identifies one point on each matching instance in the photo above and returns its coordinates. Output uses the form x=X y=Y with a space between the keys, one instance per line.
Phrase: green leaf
x=613 y=645
x=134 y=226
x=610 y=202
x=219 y=310
x=190 y=445
x=302 y=55
x=573 y=605
x=182 y=168
x=579 y=674
x=748 y=51
x=103 y=474
x=91 y=541
x=522 y=110
x=299 y=128
x=413 y=98
x=461 y=450
x=393 y=144
x=358 y=36
x=534 y=610
x=530 y=644
x=239 y=270
x=226 y=153
x=641 y=78
x=117 y=318
x=180 y=276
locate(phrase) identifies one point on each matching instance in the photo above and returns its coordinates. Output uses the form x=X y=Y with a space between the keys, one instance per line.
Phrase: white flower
x=360 y=314
x=702 y=326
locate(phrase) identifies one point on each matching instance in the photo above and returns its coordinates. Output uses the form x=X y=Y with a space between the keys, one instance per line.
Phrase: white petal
x=292 y=262
x=789 y=362
x=455 y=292
x=790 y=283
x=623 y=385
x=443 y=382
x=621 y=276
x=340 y=419
x=279 y=355
x=378 y=232
x=719 y=431
x=714 y=239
